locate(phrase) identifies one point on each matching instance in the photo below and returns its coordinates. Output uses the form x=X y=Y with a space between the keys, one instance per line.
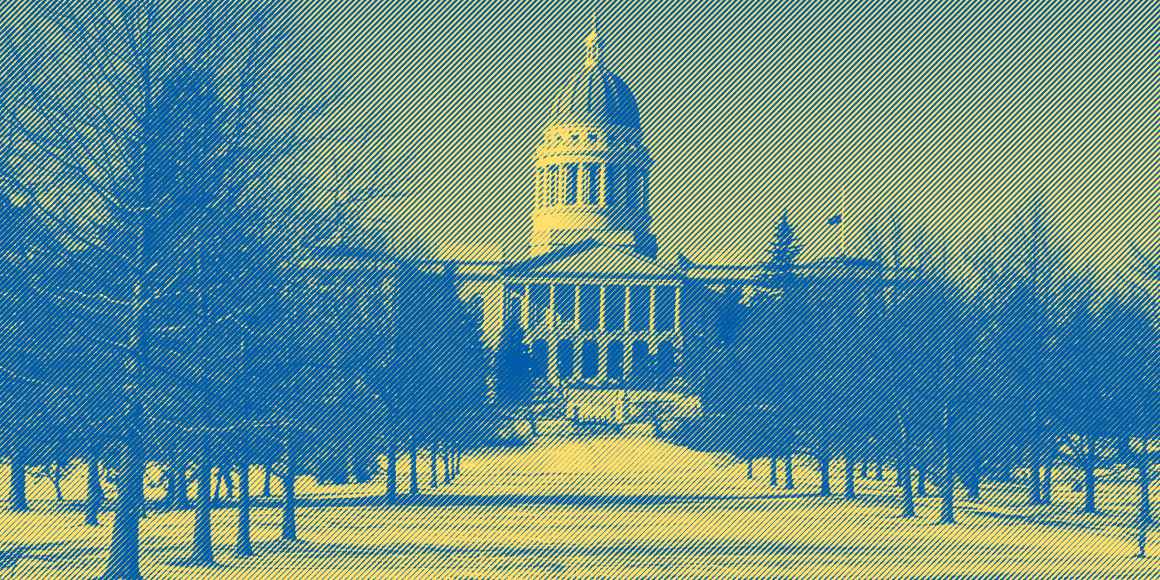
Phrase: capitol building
x=595 y=304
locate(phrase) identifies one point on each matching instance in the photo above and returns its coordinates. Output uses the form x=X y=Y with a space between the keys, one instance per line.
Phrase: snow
x=622 y=506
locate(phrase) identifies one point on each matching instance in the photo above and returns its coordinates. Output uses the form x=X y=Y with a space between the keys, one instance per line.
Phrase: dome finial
x=592 y=45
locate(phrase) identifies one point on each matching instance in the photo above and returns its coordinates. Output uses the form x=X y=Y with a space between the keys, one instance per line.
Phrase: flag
x=834 y=219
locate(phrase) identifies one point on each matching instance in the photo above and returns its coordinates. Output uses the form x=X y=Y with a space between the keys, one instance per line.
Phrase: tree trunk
x=789 y=470
x=289 y=526
x=125 y=544
x=446 y=465
x=1145 y=517
x=56 y=477
x=202 y=530
x=904 y=467
x=907 y=490
x=1048 y=471
x=947 y=513
x=94 y=495
x=1034 y=485
x=244 y=547
x=1145 y=475
x=849 y=469
x=19 y=501
x=1089 y=479
x=921 y=477
x=392 y=472
x=824 y=471
x=414 y=452
x=434 y=465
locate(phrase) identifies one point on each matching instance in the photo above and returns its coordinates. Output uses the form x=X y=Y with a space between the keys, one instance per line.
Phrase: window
x=666 y=310
x=589 y=308
x=614 y=308
x=641 y=364
x=589 y=360
x=566 y=304
x=537 y=305
x=638 y=305
x=564 y=359
x=615 y=363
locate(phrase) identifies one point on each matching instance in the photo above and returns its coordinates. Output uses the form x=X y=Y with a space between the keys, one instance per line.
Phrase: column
x=553 y=369
x=652 y=309
x=677 y=310
x=602 y=306
x=526 y=303
x=603 y=184
x=539 y=196
x=561 y=185
x=627 y=311
x=582 y=184
x=552 y=307
x=569 y=184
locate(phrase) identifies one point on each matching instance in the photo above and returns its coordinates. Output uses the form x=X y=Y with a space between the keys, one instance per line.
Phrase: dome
x=594 y=95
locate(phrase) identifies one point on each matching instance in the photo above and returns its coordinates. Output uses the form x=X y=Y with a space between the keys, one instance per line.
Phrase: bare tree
x=143 y=115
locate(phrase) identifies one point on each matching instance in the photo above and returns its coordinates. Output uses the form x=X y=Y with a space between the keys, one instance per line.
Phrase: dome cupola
x=591 y=178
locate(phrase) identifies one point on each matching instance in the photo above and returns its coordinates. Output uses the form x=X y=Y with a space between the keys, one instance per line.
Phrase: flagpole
x=842 y=221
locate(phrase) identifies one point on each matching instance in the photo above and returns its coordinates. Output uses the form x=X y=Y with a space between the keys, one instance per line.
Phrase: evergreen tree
x=514 y=379
x=777 y=271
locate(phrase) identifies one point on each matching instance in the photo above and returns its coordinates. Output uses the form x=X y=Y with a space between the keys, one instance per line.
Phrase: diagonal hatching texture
x=823 y=289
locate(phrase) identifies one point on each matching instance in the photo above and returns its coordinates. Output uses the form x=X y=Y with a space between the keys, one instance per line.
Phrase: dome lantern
x=592 y=47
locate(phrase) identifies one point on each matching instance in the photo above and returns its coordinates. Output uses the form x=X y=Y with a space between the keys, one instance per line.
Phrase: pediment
x=590 y=259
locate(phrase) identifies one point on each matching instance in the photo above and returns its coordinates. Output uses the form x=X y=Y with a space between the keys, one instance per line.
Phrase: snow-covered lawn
x=627 y=506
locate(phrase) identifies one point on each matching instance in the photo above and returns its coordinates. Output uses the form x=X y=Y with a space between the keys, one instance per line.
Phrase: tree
x=777 y=271
x=1128 y=331
x=514 y=377
x=143 y=111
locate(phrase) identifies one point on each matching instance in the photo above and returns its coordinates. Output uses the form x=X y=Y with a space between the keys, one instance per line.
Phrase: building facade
x=598 y=309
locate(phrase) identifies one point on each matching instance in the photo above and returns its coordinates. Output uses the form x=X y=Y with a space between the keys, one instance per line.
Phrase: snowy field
x=623 y=506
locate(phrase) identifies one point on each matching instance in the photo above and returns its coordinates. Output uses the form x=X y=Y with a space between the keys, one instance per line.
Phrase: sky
x=946 y=115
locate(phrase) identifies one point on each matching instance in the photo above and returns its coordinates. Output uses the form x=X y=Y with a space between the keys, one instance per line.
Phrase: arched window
x=589 y=360
x=564 y=365
x=615 y=369
x=540 y=358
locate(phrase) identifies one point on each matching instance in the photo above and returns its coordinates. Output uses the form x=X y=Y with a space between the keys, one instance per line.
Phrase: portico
x=596 y=314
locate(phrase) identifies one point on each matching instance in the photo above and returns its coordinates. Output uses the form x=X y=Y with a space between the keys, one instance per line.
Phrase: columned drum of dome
x=592 y=168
